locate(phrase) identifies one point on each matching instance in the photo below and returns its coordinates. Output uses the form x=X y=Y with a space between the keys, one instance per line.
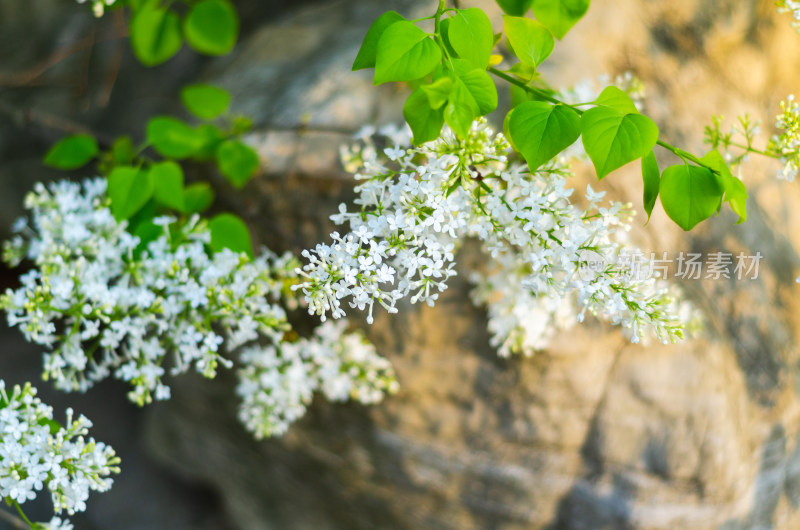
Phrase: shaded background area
x=593 y=433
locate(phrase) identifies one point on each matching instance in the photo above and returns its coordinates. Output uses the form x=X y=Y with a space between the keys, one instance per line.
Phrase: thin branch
x=13 y=520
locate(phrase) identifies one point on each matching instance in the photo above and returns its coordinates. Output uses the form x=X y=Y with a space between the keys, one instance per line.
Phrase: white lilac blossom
x=105 y=306
x=38 y=453
x=278 y=381
x=786 y=145
x=784 y=6
x=416 y=205
x=98 y=6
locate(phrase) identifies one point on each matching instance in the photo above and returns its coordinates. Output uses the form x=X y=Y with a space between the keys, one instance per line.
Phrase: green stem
x=529 y=89
x=685 y=155
x=24 y=517
x=751 y=149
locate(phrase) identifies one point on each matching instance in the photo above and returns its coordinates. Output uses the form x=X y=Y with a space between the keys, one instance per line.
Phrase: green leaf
x=540 y=130
x=155 y=35
x=531 y=41
x=129 y=188
x=652 y=179
x=198 y=197
x=205 y=101
x=237 y=161
x=369 y=47
x=735 y=190
x=559 y=15
x=72 y=152
x=425 y=121
x=122 y=151
x=461 y=110
x=405 y=53
x=229 y=231
x=212 y=136
x=614 y=98
x=516 y=8
x=689 y=194
x=212 y=27
x=478 y=84
x=470 y=34
x=173 y=138
x=438 y=91
x=444 y=29
x=612 y=138
x=167 y=178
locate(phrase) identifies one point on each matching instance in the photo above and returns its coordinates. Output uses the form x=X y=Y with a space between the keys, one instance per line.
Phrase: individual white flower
x=98 y=6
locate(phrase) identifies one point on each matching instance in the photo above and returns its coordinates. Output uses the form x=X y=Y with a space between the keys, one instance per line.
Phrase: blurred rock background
x=594 y=433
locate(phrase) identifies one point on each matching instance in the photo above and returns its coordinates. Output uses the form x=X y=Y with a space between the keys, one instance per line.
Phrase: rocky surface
x=594 y=433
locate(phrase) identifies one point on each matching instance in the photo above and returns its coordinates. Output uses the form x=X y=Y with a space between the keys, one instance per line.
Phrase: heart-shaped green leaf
x=559 y=15
x=212 y=27
x=470 y=34
x=405 y=53
x=72 y=152
x=531 y=41
x=425 y=121
x=540 y=130
x=167 y=178
x=129 y=188
x=155 y=35
x=369 y=47
x=229 y=231
x=612 y=138
x=689 y=194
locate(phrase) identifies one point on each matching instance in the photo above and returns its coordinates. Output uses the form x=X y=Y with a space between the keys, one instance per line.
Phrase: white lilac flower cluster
x=784 y=6
x=416 y=205
x=786 y=145
x=105 y=306
x=341 y=366
x=98 y=6
x=36 y=452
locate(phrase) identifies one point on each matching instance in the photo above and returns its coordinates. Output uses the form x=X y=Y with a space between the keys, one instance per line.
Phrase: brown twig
x=51 y=122
x=28 y=77
x=116 y=61
x=13 y=520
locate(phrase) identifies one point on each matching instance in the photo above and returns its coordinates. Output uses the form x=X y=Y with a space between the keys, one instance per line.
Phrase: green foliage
x=198 y=197
x=735 y=192
x=516 y=8
x=471 y=37
x=173 y=138
x=652 y=181
x=155 y=34
x=480 y=88
x=690 y=194
x=531 y=42
x=614 y=133
x=237 y=161
x=541 y=130
x=405 y=53
x=212 y=27
x=206 y=101
x=461 y=110
x=369 y=47
x=423 y=117
x=559 y=15
x=72 y=152
x=229 y=231
x=129 y=188
x=167 y=177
